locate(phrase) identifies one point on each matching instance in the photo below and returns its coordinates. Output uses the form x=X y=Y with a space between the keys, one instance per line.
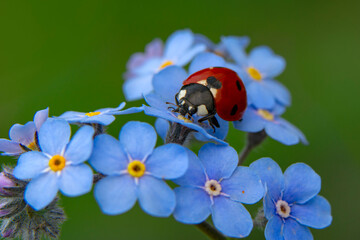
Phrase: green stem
x=210 y=231
x=244 y=153
x=253 y=140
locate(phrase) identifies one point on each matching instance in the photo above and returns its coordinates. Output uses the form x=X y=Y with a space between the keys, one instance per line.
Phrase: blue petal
x=315 y=213
x=302 y=183
x=76 y=180
x=162 y=126
x=54 y=135
x=154 y=48
x=24 y=134
x=243 y=186
x=115 y=194
x=295 y=231
x=280 y=92
x=269 y=205
x=81 y=145
x=42 y=190
x=156 y=197
x=150 y=66
x=206 y=60
x=219 y=161
x=274 y=229
x=219 y=133
x=10 y=147
x=271 y=176
x=294 y=130
x=236 y=48
x=190 y=53
x=135 y=88
x=138 y=139
x=231 y=218
x=251 y=122
x=167 y=83
x=281 y=134
x=195 y=174
x=129 y=111
x=168 y=161
x=40 y=117
x=278 y=109
x=193 y=205
x=102 y=119
x=260 y=96
x=111 y=111
x=168 y=115
x=108 y=157
x=199 y=38
x=30 y=165
x=264 y=59
x=72 y=116
x=155 y=100
x=178 y=43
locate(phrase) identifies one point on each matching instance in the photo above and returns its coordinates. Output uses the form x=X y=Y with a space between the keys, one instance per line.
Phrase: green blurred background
x=70 y=55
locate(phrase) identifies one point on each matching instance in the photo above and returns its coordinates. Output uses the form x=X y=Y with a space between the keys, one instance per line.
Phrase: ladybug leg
x=212 y=120
x=190 y=117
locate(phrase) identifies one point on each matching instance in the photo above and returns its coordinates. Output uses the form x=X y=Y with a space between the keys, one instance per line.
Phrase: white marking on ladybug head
x=182 y=94
x=203 y=82
x=202 y=111
x=213 y=91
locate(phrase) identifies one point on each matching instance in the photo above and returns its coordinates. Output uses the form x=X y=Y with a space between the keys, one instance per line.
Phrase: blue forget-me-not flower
x=136 y=171
x=59 y=165
x=24 y=137
x=104 y=116
x=291 y=202
x=215 y=185
x=179 y=49
x=258 y=70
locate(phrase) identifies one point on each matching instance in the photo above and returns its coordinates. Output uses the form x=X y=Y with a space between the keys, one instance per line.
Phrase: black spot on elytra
x=234 y=110
x=238 y=85
x=212 y=82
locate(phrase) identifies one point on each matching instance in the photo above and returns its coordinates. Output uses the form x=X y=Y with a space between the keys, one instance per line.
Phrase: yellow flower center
x=181 y=117
x=166 y=64
x=33 y=146
x=91 y=114
x=254 y=73
x=57 y=163
x=266 y=114
x=136 y=168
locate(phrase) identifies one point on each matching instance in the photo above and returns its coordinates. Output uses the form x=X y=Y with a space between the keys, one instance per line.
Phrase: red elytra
x=230 y=99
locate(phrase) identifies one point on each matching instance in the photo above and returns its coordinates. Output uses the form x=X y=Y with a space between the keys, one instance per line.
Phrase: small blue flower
x=291 y=202
x=256 y=120
x=136 y=171
x=258 y=70
x=59 y=165
x=24 y=137
x=216 y=185
x=179 y=49
x=104 y=116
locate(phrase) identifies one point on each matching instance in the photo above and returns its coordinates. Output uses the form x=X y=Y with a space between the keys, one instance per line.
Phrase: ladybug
x=209 y=91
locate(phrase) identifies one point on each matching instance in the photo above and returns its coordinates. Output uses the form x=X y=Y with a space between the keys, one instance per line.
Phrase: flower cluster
x=53 y=162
